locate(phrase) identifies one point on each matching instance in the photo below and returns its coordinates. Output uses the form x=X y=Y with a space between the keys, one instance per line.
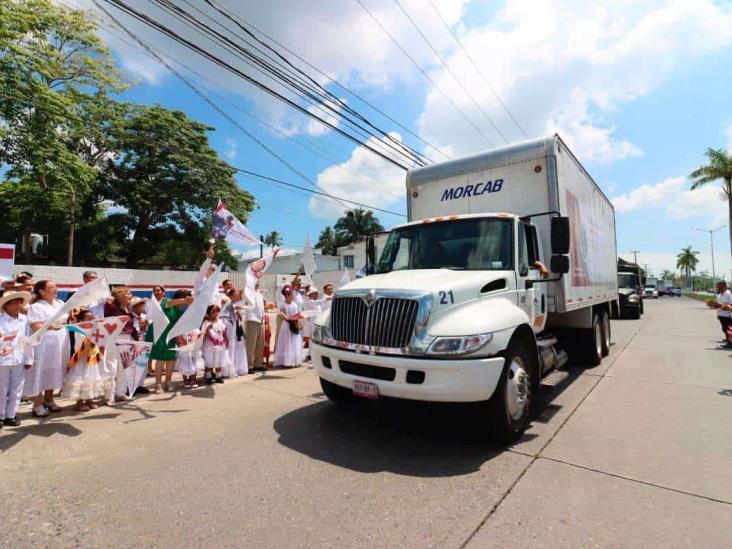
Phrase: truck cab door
x=531 y=297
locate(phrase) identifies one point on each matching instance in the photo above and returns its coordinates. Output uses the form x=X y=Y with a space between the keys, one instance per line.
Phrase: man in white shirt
x=97 y=308
x=723 y=304
x=327 y=296
x=254 y=329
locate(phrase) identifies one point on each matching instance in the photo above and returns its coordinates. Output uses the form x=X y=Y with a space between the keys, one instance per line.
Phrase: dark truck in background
x=630 y=290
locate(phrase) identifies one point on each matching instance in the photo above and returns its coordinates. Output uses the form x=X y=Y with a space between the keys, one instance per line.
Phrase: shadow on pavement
x=725 y=392
x=409 y=439
x=11 y=437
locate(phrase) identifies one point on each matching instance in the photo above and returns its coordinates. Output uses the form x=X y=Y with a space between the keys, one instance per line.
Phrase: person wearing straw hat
x=15 y=356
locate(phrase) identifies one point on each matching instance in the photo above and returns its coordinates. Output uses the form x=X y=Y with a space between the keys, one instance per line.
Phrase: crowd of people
x=232 y=341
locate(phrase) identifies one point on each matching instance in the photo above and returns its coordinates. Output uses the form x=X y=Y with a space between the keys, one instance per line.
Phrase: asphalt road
x=634 y=453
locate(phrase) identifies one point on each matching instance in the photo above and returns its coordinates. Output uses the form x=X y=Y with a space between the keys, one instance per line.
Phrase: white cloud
x=674 y=197
x=569 y=66
x=231 y=149
x=363 y=178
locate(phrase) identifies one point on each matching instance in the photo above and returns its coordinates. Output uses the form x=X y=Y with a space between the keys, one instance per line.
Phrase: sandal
x=158 y=390
x=169 y=388
x=111 y=403
x=92 y=405
x=52 y=406
x=40 y=412
x=83 y=407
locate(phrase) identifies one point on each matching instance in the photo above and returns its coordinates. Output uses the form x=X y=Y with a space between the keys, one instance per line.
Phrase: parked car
x=650 y=292
x=675 y=292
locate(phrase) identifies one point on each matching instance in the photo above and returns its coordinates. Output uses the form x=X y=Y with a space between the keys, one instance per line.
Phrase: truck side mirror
x=560 y=236
x=559 y=264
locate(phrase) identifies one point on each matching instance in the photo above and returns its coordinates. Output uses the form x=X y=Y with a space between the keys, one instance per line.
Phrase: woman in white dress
x=289 y=351
x=51 y=355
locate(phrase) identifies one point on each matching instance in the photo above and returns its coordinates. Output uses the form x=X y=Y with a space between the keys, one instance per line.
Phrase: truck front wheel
x=335 y=393
x=510 y=404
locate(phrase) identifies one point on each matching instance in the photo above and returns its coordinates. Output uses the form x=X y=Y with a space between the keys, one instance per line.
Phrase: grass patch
x=699 y=297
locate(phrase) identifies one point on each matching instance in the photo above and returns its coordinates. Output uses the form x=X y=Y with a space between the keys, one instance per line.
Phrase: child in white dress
x=289 y=351
x=189 y=362
x=15 y=357
x=215 y=348
x=84 y=381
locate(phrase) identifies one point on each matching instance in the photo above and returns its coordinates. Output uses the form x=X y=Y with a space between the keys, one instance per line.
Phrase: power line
x=448 y=69
x=336 y=163
x=475 y=66
x=332 y=80
x=306 y=88
x=341 y=104
x=424 y=73
x=194 y=47
x=292 y=185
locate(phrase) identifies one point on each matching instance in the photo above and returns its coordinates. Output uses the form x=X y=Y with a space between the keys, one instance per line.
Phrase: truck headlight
x=633 y=298
x=321 y=335
x=459 y=345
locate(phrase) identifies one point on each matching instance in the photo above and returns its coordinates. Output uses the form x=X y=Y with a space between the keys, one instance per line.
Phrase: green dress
x=160 y=350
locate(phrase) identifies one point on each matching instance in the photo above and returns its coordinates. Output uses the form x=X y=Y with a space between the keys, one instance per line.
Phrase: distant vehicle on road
x=675 y=292
x=629 y=296
x=650 y=292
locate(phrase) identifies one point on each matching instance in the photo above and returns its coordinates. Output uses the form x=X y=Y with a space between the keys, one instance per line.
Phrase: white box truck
x=457 y=309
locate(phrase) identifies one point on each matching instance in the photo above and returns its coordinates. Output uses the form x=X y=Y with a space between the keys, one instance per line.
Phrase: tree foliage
x=273 y=239
x=327 y=242
x=133 y=182
x=687 y=261
x=718 y=168
x=356 y=224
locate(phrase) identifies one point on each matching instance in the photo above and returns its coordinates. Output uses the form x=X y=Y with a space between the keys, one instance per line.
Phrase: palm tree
x=719 y=167
x=327 y=242
x=273 y=239
x=687 y=261
x=355 y=224
x=667 y=275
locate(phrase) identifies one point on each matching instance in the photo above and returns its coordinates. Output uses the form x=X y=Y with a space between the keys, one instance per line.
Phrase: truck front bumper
x=470 y=380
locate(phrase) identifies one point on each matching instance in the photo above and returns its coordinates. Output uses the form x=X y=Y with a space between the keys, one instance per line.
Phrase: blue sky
x=639 y=89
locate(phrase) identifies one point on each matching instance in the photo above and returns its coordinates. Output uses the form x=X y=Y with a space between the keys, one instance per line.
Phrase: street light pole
x=711 y=245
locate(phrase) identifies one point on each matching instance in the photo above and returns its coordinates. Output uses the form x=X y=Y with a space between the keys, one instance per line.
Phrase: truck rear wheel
x=336 y=393
x=592 y=342
x=509 y=407
x=606 y=333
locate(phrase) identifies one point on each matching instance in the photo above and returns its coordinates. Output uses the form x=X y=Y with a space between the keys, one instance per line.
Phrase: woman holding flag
x=164 y=356
x=47 y=375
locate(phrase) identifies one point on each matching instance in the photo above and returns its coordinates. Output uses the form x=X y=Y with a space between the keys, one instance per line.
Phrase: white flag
x=196 y=311
x=308 y=257
x=90 y=293
x=254 y=272
x=156 y=315
x=345 y=278
x=363 y=271
x=227 y=227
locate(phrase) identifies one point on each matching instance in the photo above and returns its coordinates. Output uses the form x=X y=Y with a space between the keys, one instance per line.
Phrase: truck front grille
x=387 y=322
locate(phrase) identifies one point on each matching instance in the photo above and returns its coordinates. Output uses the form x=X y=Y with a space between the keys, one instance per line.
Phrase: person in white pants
x=15 y=356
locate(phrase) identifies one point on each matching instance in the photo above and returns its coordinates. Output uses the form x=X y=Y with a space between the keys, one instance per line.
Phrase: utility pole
x=635 y=255
x=261 y=246
x=711 y=245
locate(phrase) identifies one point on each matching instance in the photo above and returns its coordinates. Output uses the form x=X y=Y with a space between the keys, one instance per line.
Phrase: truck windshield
x=627 y=281
x=469 y=244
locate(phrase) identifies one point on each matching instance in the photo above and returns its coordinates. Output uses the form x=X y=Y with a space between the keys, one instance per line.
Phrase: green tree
x=50 y=60
x=273 y=239
x=167 y=180
x=327 y=242
x=355 y=224
x=667 y=275
x=719 y=167
x=687 y=261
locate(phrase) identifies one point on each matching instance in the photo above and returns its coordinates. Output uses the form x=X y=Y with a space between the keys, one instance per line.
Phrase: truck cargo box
x=533 y=177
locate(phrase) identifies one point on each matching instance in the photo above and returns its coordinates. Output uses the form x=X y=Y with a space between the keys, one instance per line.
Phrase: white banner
x=196 y=311
x=156 y=315
x=254 y=272
x=227 y=227
x=88 y=294
x=345 y=278
x=308 y=257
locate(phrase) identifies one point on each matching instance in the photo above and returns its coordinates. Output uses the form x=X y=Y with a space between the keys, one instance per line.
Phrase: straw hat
x=12 y=296
x=137 y=300
x=313 y=290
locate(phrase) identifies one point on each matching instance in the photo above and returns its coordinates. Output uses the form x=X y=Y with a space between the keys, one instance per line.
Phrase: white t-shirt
x=256 y=313
x=726 y=299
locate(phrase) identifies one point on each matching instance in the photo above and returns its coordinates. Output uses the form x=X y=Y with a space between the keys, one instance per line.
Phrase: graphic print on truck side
x=472 y=190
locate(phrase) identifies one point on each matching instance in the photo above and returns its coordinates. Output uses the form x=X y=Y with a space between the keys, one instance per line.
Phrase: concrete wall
x=357 y=250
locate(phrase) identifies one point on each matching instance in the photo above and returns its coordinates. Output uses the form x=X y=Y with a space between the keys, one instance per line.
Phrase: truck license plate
x=366 y=389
